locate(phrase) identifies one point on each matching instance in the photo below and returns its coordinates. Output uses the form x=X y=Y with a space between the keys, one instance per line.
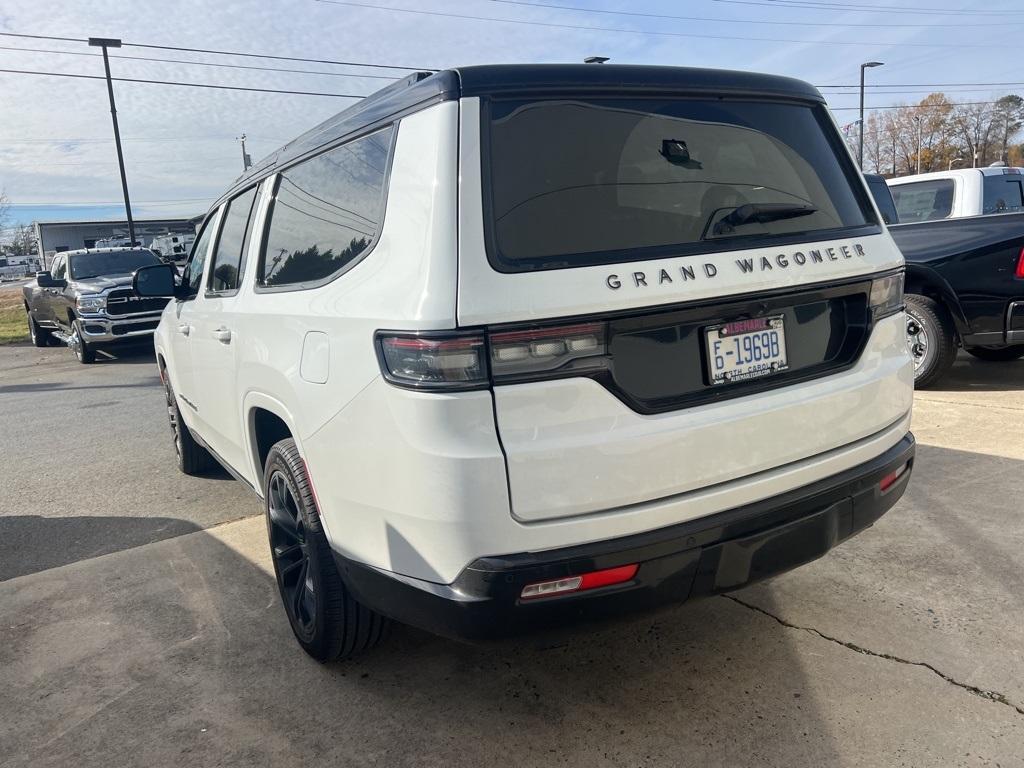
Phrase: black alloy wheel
x=290 y=550
x=193 y=459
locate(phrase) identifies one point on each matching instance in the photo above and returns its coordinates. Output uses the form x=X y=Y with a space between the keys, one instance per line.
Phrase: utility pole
x=918 y=121
x=104 y=43
x=860 y=148
x=246 y=160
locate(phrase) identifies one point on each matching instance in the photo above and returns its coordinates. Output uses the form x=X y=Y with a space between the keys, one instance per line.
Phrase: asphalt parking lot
x=140 y=625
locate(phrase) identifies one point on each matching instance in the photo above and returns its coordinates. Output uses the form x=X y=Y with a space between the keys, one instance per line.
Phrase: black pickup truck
x=86 y=300
x=964 y=286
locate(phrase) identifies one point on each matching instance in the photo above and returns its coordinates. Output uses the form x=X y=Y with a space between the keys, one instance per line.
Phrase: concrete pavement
x=902 y=647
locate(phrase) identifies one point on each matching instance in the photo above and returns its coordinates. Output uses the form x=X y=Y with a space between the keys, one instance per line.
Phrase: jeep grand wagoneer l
x=509 y=345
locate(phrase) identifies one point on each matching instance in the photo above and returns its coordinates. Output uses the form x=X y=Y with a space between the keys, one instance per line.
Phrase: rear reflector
x=890 y=479
x=592 y=580
x=1020 y=265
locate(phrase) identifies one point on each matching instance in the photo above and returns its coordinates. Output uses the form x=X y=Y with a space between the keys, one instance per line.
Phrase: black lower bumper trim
x=706 y=556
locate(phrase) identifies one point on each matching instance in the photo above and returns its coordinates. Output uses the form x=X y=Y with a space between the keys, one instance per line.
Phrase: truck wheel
x=327 y=621
x=193 y=459
x=998 y=354
x=40 y=337
x=85 y=352
x=931 y=336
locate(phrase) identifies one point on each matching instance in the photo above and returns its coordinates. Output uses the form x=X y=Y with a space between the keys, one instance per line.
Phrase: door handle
x=222 y=334
x=184 y=329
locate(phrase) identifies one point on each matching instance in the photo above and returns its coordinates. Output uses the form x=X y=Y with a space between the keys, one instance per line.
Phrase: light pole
x=918 y=121
x=104 y=43
x=860 y=148
x=246 y=160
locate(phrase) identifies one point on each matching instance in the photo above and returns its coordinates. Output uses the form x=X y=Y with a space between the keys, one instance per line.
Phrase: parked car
x=964 y=287
x=172 y=248
x=86 y=300
x=504 y=346
x=959 y=193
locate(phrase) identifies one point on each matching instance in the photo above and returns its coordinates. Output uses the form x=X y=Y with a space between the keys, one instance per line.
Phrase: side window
x=326 y=212
x=923 y=200
x=1002 y=194
x=229 y=254
x=59 y=268
x=193 y=276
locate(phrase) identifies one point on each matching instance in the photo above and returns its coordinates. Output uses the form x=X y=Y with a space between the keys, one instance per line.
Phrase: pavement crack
x=974 y=690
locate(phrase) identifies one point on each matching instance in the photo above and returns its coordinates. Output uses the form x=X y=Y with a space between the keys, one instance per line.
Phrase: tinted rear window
x=1003 y=194
x=923 y=200
x=577 y=182
x=86 y=265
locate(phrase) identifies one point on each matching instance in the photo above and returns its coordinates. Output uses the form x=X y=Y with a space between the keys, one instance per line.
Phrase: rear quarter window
x=582 y=181
x=326 y=213
x=924 y=200
x=1002 y=193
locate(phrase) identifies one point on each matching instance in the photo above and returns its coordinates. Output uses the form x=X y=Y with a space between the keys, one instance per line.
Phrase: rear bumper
x=705 y=556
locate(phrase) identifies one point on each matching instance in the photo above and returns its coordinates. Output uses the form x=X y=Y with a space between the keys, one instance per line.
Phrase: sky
x=57 y=156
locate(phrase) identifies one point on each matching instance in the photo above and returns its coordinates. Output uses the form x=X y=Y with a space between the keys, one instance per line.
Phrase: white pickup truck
x=959 y=193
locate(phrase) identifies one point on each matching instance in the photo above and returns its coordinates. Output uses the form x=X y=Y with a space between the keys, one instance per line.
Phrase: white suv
x=510 y=345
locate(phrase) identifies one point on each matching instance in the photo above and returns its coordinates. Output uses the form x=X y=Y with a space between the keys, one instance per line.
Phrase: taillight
x=434 y=362
x=1020 y=265
x=886 y=295
x=575 y=348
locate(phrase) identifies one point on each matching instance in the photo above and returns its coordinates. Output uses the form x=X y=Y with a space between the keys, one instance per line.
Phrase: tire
x=85 y=352
x=192 y=458
x=39 y=336
x=931 y=336
x=997 y=354
x=327 y=621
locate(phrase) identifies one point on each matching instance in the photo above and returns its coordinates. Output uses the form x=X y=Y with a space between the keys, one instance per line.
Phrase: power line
x=199 y=63
x=190 y=85
x=223 y=53
x=655 y=33
x=917 y=85
x=821 y=5
x=916 y=106
x=637 y=14
x=115 y=202
x=225 y=137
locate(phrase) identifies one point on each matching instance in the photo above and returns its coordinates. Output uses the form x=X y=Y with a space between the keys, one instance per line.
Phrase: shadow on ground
x=970 y=374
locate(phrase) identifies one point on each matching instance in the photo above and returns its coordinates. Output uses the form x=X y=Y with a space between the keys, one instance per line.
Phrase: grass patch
x=13 y=326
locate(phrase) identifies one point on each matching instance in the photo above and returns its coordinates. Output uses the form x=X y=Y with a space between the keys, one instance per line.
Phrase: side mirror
x=45 y=280
x=156 y=280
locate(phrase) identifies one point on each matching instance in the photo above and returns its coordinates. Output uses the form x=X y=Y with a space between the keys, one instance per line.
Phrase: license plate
x=746 y=349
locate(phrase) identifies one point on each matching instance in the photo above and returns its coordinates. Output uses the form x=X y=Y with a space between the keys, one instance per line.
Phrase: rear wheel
x=997 y=354
x=327 y=621
x=85 y=352
x=931 y=337
x=40 y=337
x=192 y=458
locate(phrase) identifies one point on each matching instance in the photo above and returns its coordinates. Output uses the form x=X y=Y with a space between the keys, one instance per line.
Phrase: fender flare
x=922 y=278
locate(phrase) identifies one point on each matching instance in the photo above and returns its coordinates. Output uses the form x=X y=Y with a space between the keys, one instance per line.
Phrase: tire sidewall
x=321 y=635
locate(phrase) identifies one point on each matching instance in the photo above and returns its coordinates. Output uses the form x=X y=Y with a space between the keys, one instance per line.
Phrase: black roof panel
x=423 y=88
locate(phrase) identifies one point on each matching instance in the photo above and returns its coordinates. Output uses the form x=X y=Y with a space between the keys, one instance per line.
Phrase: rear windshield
x=1003 y=193
x=86 y=265
x=577 y=182
x=923 y=200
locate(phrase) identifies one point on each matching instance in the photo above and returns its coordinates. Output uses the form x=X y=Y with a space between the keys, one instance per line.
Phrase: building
x=56 y=236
